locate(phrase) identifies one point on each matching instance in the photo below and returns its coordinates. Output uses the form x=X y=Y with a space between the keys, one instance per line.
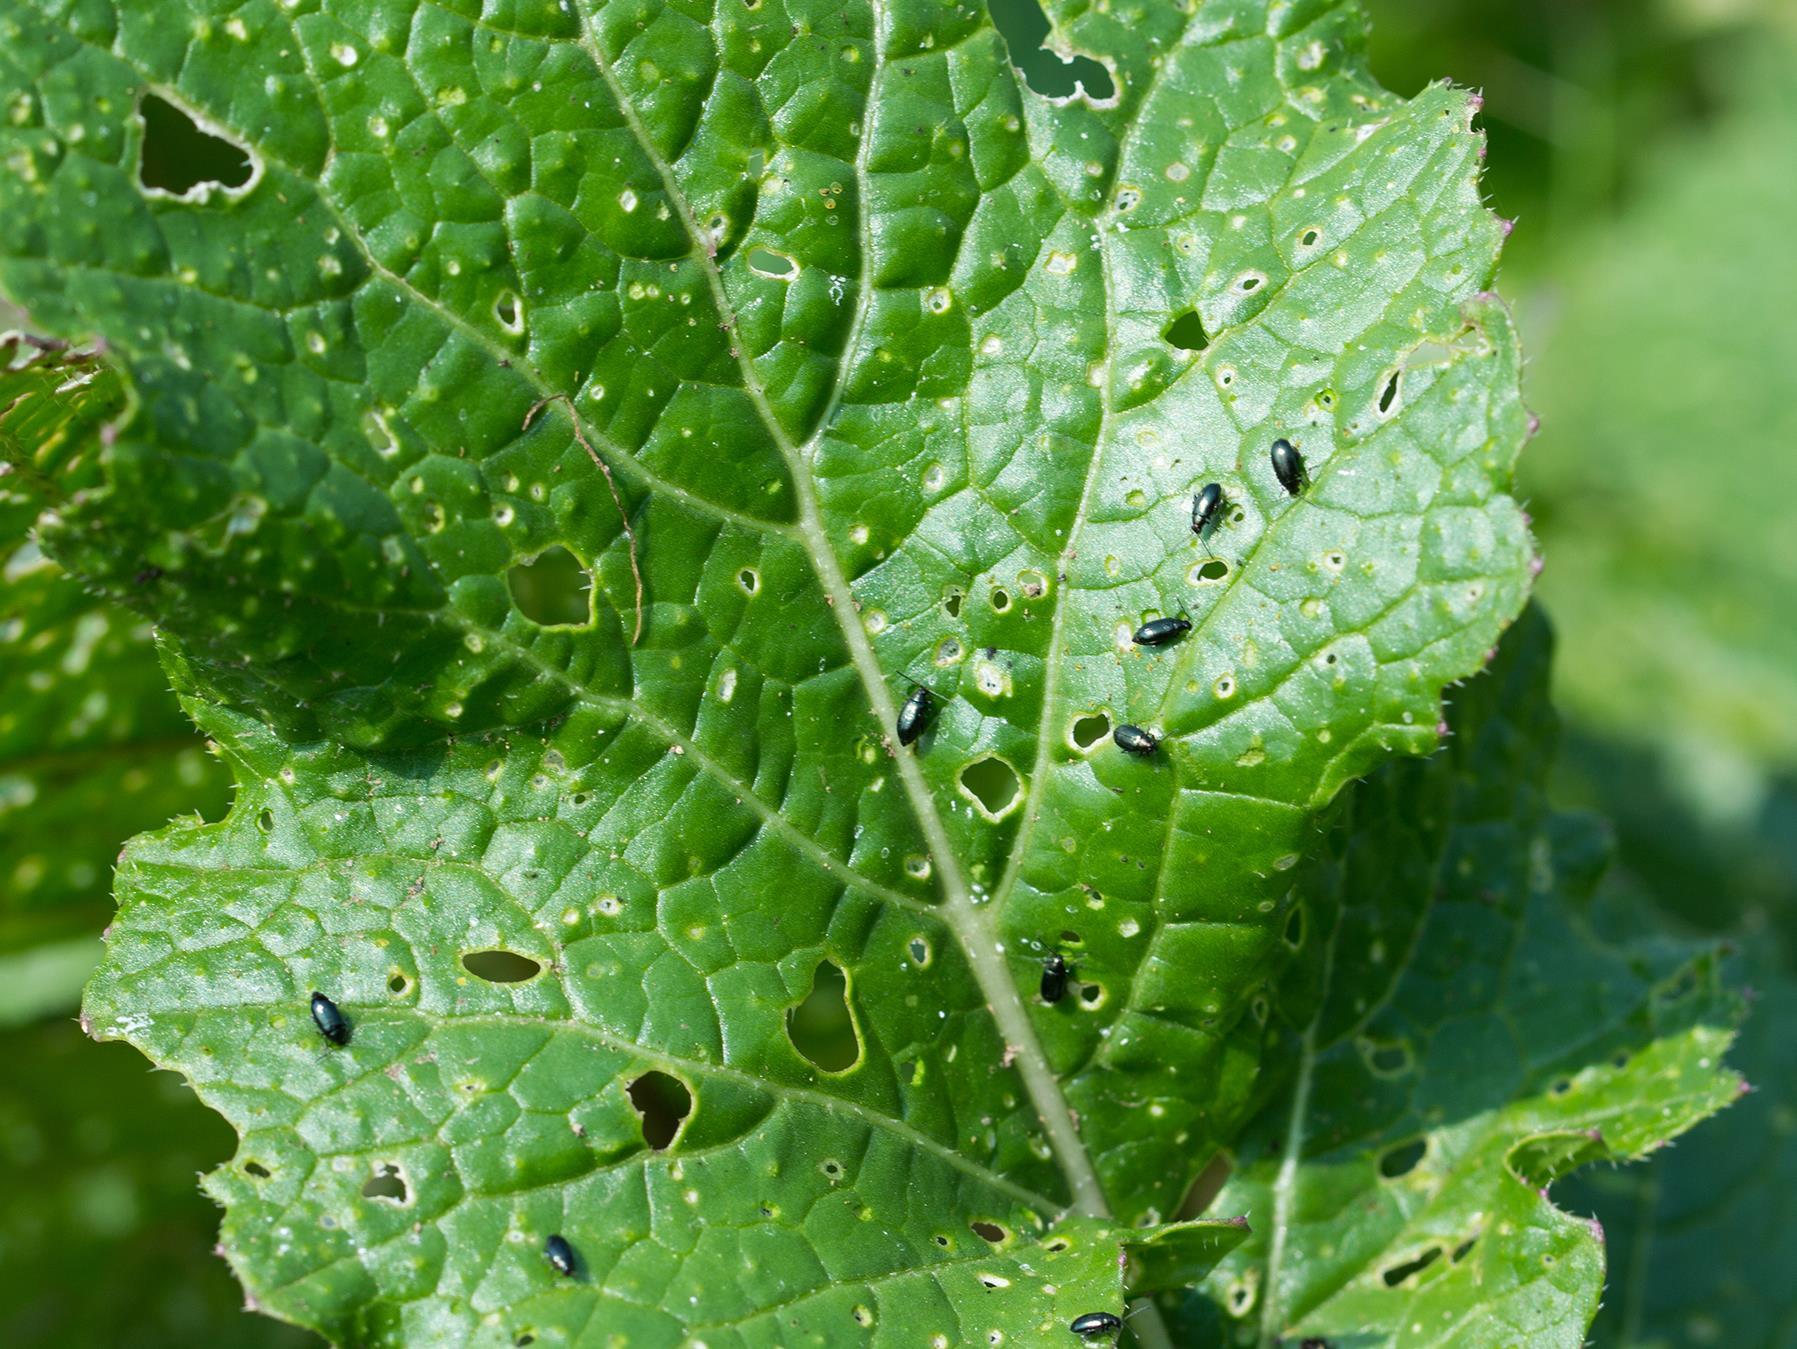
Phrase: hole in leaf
x=265 y=820
x=993 y=785
x=1461 y=1250
x=178 y=156
x=940 y=1240
x=509 y=310
x=1398 y=1273
x=1308 y=238
x=552 y=589
x=256 y=1169
x=501 y=967
x=1386 y=1058
x=988 y=1231
x=774 y=266
x=1390 y=395
x=387 y=1183
x=920 y=952
x=1187 y=332
x=398 y=984
x=1048 y=74
x=821 y=1027
x=1214 y=570
x=664 y=1103
x=749 y=579
x=1071 y=938
x=1091 y=992
x=1294 y=928
x=1207 y=1186
x=951 y=603
x=1001 y=600
x=1090 y=729
x=1402 y=1160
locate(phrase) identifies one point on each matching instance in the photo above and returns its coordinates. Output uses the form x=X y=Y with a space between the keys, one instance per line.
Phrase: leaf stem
x=964 y=917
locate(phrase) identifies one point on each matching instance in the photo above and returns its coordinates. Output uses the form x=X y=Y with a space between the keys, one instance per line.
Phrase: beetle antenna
x=917 y=684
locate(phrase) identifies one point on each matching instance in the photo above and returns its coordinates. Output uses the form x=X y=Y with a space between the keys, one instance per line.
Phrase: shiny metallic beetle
x=560 y=1254
x=914 y=716
x=1288 y=466
x=1134 y=740
x=1054 y=978
x=1160 y=631
x=330 y=1021
x=1094 y=1324
x=1205 y=506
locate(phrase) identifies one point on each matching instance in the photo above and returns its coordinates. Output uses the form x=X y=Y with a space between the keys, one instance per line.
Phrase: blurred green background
x=1648 y=151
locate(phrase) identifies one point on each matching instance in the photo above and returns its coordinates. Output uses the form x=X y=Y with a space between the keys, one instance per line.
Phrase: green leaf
x=92 y=747
x=1702 y=1239
x=1461 y=1041
x=871 y=336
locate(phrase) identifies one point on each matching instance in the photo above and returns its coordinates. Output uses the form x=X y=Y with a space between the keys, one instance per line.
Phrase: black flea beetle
x=914 y=716
x=1054 y=978
x=329 y=1020
x=1094 y=1324
x=1205 y=507
x=560 y=1254
x=1288 y=466
x=1134 y=740
x=1160 y=631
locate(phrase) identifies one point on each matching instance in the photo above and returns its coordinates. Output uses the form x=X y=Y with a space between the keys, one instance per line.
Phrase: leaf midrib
x=962 y=916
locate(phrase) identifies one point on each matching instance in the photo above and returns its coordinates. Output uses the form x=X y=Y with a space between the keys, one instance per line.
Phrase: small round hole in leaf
x=993 y=786
x=387 y=1183
x=774 y=266
x=1090 y=730
x=501 y=967
x=1402 y=1160
x=664 y=1102
x=179 y=155
x=1187 y=332
x=552 y=588
x=821 y=1027
x=1396 y=1274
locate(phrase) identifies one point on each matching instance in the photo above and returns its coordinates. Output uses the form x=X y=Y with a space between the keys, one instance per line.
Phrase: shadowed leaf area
x=873 y=336
x=1461 y=1038
x=92 y=746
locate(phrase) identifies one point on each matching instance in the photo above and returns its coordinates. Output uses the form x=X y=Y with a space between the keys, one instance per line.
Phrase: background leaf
x=1463 y=1042
x=92 y=746
x=105 y=1238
